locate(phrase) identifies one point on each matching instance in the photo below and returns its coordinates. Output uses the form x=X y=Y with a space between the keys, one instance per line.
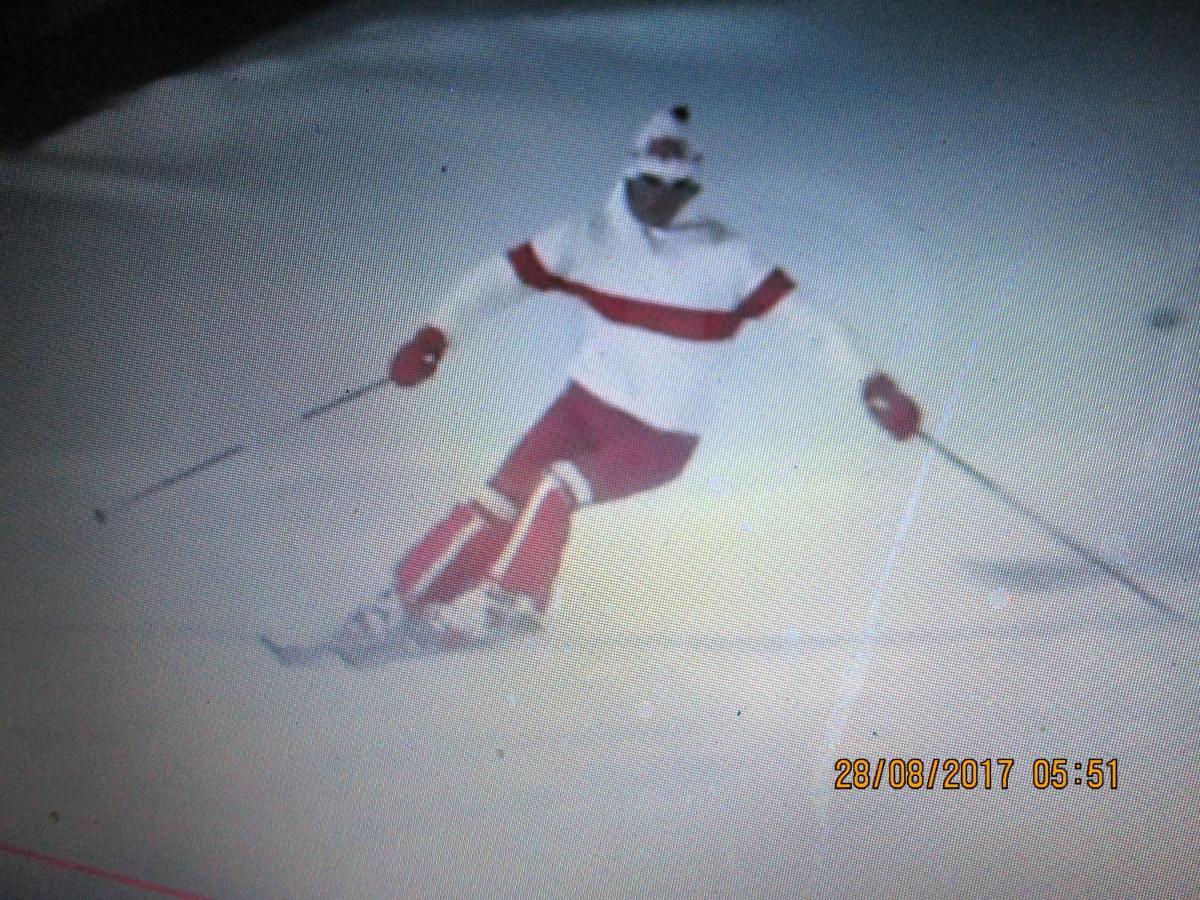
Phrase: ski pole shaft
x=347 y=397
x=102 y=514
x=1062 y=538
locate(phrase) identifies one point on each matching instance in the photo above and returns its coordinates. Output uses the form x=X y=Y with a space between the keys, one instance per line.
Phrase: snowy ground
x=995 y=206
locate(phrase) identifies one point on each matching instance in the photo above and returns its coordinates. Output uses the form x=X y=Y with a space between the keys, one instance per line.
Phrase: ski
x=359 y=642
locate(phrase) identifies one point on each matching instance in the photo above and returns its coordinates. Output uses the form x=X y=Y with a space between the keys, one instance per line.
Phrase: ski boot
x=375 y=632
x=460 y=623
x=512 y=611
x=375 y=621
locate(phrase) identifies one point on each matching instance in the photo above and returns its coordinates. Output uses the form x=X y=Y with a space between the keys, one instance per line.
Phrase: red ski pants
x=581 y=451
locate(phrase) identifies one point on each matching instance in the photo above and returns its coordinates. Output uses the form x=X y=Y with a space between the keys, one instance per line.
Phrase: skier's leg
x=456 y=555
x=630 y=456
x=530 y=561
x=561 y=433
x=457 y=552
x=452 y=557
x=620 y=469
x=624 y=456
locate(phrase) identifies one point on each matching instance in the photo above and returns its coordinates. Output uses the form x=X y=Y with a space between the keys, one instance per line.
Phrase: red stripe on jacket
x=689 y=324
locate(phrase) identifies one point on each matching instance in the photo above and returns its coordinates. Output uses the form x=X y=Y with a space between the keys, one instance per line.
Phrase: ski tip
x=268 y=643
x=291 y=655
x=276 y=649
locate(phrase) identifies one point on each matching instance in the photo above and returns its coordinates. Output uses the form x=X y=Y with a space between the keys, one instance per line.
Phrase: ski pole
x=102 y=514
x=1061 y=537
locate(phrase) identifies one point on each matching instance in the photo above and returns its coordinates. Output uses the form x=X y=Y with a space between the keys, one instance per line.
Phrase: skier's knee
x=494 y=504
x=569 y=477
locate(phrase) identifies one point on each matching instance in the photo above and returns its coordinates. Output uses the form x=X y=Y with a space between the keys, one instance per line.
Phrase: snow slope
x=993 y=204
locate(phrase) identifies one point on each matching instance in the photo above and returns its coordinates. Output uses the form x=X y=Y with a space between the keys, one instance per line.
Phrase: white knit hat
x=663 y=148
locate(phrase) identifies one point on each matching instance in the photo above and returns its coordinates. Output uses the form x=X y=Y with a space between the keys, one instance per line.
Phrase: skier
x=667 y=297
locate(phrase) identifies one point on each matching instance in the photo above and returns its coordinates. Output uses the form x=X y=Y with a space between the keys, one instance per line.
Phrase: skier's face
x=656 y=202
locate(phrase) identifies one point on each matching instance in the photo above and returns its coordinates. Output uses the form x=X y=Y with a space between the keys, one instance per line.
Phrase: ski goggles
x=688 y=187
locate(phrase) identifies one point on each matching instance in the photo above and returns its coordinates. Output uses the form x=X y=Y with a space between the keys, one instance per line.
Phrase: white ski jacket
x=665 y=302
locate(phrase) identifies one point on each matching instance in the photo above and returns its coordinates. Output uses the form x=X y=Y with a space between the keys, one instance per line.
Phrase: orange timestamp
x=970 y=773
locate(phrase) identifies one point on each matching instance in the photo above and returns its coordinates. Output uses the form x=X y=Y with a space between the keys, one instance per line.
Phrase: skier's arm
x=895 y=411
x=499 y=282
x=485 y=290
x=834 y=336
x=505 y=279
x=775 y=294
x=831 y=336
